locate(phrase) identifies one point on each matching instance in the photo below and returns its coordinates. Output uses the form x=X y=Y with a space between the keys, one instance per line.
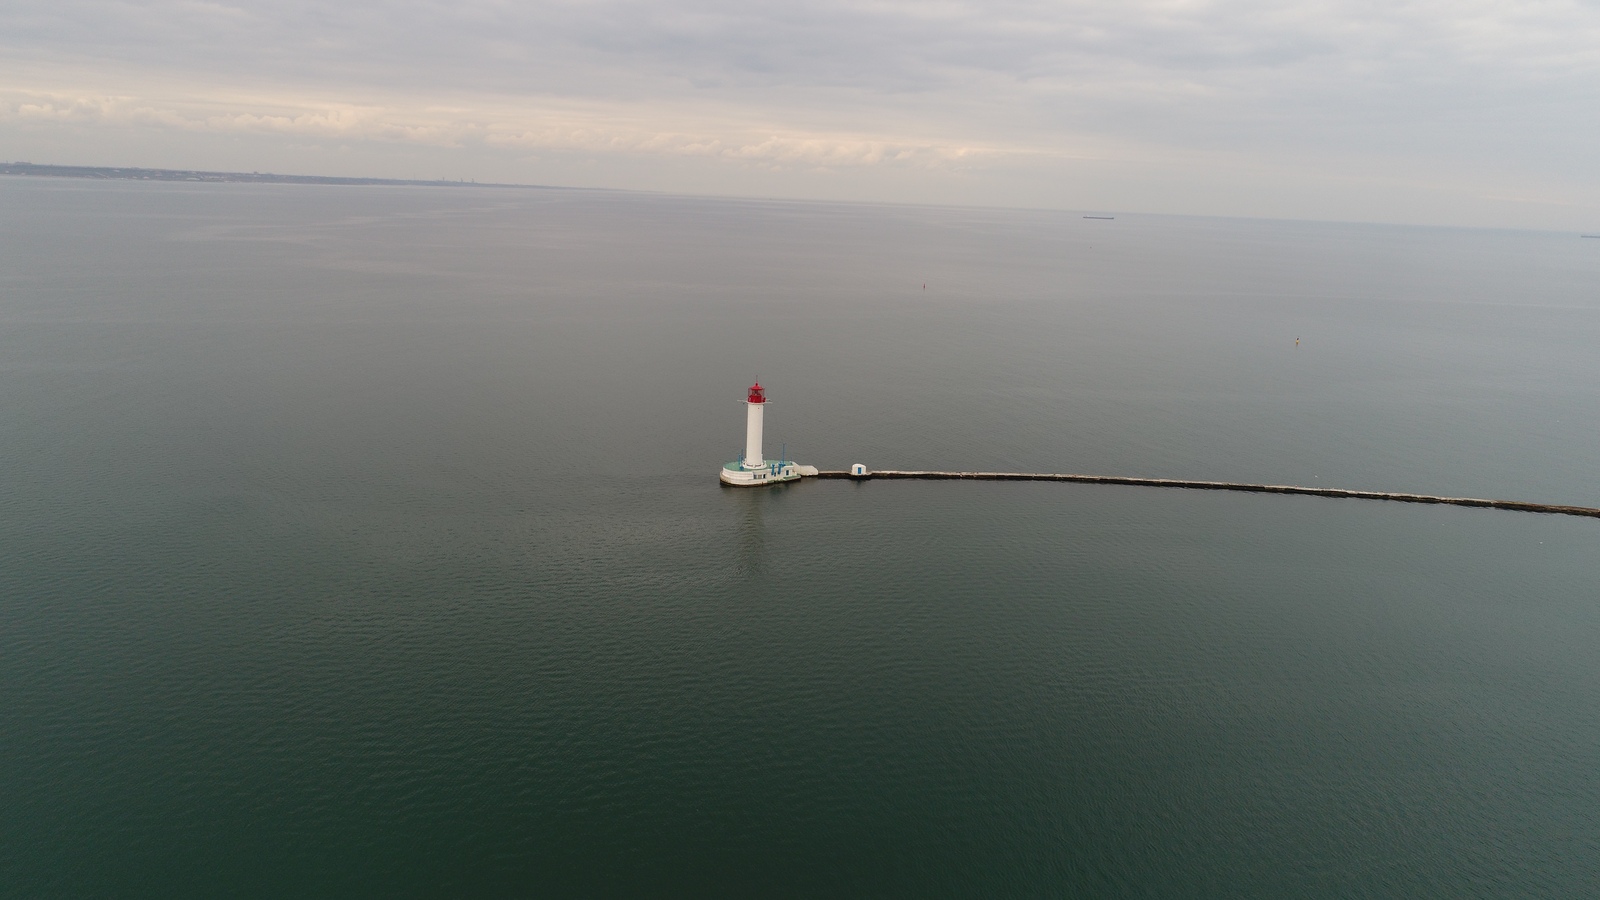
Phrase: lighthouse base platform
x=736 y=474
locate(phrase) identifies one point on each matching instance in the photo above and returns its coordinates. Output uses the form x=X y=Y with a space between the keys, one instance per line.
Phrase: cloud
x=816 y=152
x=591 y=130
x=614 y=47
x=31 y=107
x=1482 y=89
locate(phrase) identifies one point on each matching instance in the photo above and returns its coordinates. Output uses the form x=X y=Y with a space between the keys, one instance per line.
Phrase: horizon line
x=210 y=176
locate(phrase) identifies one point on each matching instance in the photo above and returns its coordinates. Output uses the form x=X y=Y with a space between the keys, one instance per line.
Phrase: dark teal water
x=367 y=542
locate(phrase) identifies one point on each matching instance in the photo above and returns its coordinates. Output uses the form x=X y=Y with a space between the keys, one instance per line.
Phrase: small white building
x=750 y=469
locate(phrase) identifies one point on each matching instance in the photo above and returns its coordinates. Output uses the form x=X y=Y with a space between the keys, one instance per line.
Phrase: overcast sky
x=1443 y=111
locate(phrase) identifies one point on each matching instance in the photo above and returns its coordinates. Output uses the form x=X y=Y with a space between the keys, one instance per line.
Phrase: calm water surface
x=366 y=541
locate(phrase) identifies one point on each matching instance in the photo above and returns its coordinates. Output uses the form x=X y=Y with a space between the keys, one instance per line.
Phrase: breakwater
x=1516 y=505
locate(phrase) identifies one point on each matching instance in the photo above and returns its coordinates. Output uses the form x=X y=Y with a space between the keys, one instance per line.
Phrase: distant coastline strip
x=1516 y=505
x=200 y=175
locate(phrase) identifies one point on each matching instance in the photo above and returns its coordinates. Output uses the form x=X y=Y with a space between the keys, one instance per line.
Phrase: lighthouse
x=751 y=469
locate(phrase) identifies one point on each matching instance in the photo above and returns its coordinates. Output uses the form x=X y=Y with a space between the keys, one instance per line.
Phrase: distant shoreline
x=196 y=175
x=204 y=176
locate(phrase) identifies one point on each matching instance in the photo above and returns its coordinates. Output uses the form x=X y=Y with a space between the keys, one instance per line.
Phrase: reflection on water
x=752 y=540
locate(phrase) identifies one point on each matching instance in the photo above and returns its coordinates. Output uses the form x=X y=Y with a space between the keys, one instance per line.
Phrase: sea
x=367 y=542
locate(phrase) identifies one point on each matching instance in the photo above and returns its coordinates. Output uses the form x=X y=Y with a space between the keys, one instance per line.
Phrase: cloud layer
x=971 y=101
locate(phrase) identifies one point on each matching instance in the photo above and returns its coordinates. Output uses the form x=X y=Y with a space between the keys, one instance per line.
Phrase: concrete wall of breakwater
x=1517 y=505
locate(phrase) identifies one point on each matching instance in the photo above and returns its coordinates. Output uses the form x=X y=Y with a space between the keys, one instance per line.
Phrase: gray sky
x=1443 y=111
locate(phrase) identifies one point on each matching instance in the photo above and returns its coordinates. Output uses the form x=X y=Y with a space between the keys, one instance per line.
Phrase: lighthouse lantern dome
x=758 y=394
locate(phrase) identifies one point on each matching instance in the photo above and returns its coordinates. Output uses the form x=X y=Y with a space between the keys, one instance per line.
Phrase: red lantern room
x=758 y=394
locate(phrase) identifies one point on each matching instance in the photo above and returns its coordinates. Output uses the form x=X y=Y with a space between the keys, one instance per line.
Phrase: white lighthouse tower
x=755 y=417
x=751 y=470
